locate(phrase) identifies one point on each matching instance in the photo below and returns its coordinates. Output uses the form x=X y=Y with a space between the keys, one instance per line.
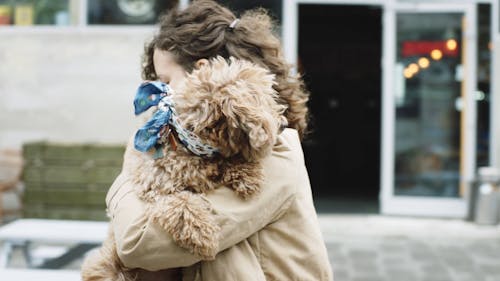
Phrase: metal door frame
x=406 y=205
x=429 y=206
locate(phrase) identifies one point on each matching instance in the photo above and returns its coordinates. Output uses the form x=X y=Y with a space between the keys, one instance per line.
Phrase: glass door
x=429 y=109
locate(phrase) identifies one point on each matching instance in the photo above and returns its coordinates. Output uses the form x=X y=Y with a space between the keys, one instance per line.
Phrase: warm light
x=423 y=62
x=490 y=46
x=410 y=70
x=436 y=54
x=407 y=73
x=413 y=67
x=451 y=44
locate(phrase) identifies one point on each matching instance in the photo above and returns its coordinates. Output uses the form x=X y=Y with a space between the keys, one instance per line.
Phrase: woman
x=272 y=236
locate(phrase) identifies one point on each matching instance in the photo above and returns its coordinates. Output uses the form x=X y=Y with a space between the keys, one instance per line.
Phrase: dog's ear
x=252 y=127
x=233 y=106
x=250 y=110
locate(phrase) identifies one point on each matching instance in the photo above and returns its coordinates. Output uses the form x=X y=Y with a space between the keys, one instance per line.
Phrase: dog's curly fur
x=229 y=105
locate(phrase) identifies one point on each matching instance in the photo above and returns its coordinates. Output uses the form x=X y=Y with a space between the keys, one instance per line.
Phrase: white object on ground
x=24 y=231
x=39 y=274
x=59 y=231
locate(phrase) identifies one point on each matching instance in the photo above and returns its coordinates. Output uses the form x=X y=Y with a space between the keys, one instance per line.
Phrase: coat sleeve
x=143 y=244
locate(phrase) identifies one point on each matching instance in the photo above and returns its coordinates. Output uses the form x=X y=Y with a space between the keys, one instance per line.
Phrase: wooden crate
x=66 y=181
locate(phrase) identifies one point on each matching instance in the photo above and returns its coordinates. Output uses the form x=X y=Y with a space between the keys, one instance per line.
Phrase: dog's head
x=232 y=106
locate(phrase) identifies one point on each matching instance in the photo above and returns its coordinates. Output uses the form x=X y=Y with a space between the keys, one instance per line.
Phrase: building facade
x=403 y=93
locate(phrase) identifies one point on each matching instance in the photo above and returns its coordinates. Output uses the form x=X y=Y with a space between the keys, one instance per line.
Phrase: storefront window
x=109 y=12
x=127 y=11
x=428 y=104
x=34 y=12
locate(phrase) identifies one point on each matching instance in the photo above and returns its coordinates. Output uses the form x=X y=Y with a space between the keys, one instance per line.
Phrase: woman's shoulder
x=288 y=145
x=282 y=167
x=289 y=136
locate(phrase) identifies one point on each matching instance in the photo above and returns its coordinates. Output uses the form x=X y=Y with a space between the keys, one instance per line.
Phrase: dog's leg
x=188 y=217
x=105 y=265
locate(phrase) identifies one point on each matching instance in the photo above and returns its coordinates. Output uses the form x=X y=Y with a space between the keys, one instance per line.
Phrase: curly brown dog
x=230 y=105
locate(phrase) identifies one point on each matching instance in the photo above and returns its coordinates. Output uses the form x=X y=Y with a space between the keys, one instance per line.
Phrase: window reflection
x=428 y=104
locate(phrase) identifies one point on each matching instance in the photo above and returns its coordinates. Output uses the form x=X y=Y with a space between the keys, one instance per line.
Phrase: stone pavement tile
x=344 y=268
x=423 y=256
x=434 y=269
x=365 y=267
x=336 y=254
x=362 y=254
x=368 y=278
x=422 y=252
x=395 y=260
x=436 y=278
x=486 y=243
x=489 y=248
x=341 y=275
x=419 y=245
x=457 y=252
x=395 y=240
x=406 y=275
x=398 y=265
x=338 y=260
x=451 y=251
x=469 y=277
x=392 y=248
x=335 y=251
x=486 y=254
x=472 y=269
x=395 y=254
x=490 y=269
x=425 y=259
x=333 y=246
x=460 y=264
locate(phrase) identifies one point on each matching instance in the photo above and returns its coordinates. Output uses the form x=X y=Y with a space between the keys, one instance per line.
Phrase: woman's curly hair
x=202 y=30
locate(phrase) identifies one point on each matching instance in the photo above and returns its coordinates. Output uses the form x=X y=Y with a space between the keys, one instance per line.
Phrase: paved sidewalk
x=382 y=248
x=374 y=247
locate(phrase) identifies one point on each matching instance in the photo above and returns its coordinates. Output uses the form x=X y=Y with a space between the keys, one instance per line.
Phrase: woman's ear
x=201 y=62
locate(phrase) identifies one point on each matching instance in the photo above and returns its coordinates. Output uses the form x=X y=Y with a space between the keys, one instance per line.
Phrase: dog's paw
x=244 y=178
x=247 y=189
x=188 y=218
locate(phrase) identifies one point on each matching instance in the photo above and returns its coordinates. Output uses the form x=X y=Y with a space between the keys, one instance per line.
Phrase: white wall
x=69 y=86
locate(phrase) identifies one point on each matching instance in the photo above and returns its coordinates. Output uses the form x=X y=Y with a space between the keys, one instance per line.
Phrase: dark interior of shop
x=340 y=58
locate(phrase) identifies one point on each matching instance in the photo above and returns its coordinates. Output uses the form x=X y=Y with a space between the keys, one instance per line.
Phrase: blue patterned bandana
x=160 y=129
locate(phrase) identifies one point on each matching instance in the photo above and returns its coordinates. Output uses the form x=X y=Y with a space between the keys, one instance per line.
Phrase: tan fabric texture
x=273 y=235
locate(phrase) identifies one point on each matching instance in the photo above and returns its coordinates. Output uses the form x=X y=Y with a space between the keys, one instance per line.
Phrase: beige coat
x=271 y=236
